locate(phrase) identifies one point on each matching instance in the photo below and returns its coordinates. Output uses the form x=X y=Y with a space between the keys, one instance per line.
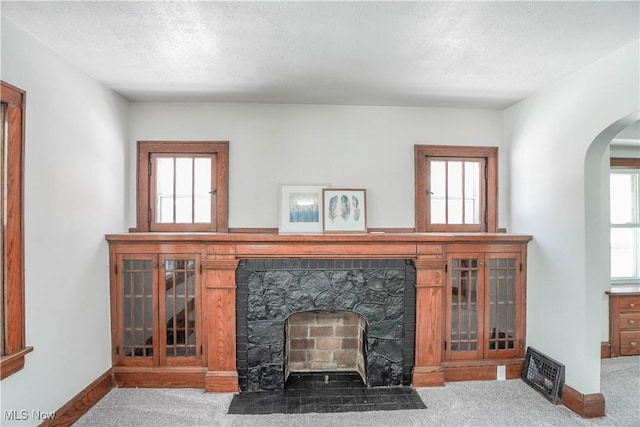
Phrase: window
x=456 y=188
x=12 y=334
x=182 y=186
x=625 y=219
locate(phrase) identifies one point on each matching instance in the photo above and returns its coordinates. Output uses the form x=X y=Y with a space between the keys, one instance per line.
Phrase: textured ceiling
x=452 y=54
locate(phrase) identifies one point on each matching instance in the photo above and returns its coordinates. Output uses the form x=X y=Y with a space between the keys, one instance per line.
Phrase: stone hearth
x=270 y=290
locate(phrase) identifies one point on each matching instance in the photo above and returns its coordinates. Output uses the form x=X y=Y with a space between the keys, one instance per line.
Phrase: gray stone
x=373 y=312
x=256 y=309
x=375 y=281
x=272 y=377
x=395 y=282
x=277 y=279
x=265 y=332
x=384 y=330
x=346 y=301
x=394 y=308
x=314 y=283
x=299 y=300
x=275 y=289
x=390 y=349
x=275 y=305
x=324 y=300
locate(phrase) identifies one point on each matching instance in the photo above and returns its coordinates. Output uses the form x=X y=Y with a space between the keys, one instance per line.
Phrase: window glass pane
x=624 y=253
x=622 y=198
x=184 y=189
x=202 y=188
x=164 y=189
x=454 y=192
x=438 y=188
x=471 y=192
x=183 y=210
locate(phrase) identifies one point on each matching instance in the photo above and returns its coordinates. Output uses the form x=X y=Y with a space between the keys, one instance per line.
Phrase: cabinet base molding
x=221 y=382
x=605 y=350
x=164 y=377
x=82 y=402
x=427 y=376
x=481 y=370
x=585 y=405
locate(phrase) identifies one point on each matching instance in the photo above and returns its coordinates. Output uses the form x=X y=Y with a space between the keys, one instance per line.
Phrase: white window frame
x=625 y=166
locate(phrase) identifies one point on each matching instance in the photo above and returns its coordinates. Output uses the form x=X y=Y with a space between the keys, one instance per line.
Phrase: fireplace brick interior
x=269 y=291
x=325 y=340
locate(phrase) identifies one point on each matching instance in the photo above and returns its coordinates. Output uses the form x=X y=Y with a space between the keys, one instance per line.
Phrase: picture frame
x=345 y=210
x=301 y=209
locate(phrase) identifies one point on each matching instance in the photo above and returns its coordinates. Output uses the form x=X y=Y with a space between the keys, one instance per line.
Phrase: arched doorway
x=597 y=237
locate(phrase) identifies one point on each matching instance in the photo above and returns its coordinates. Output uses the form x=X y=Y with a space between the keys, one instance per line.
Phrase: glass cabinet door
x=463 y=318
x=179 y=313
x=158 y=311
x=137 y=344
x=501 y=304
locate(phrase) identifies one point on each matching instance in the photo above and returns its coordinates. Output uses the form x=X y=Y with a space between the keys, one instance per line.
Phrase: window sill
x=12 y=363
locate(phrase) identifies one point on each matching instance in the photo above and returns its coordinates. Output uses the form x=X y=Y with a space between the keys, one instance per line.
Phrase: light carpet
x=473 y=403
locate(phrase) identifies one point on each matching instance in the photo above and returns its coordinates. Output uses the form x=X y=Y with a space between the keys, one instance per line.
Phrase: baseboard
x=605 y=350
x=481 y=370
x=159 y=377
x=585 y=405
x=82 y=402
x=427 y=376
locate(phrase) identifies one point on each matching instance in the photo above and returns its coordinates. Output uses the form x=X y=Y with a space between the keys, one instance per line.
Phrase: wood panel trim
x=219 y=264
x=625 y=162
x=159 y=377
x=13 y=304
x=14 y=362
x=428 y=264
x=326 y=250
x=585 y=405
x=222 y=382
x=427 y=376
x=268 y=239
x=605 y=350
x=82 y=402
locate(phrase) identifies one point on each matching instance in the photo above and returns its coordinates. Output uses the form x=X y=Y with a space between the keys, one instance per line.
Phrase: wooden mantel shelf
x=271 y=238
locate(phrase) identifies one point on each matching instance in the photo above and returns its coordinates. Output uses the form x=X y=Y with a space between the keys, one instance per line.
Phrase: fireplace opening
x=325 y=341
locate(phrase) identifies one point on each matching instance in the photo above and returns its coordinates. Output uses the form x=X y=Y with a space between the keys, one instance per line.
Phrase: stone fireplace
x=314 y=303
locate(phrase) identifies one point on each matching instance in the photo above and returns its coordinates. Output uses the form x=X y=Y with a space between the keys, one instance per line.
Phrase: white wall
x=269 y=145
x=553 y=197
x=75 y=192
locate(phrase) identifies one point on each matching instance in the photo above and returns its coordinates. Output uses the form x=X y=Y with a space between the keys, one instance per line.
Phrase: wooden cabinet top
x=319 y=239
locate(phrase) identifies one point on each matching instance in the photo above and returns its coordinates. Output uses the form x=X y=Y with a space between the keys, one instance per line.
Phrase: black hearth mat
x=312 y=392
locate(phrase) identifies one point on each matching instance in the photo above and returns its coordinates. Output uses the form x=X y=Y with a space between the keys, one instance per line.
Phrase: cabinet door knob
x=633 y=343
x=632 y=305
x=632 y=322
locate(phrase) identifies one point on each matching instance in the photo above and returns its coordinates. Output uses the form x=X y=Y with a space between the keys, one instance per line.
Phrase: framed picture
x=345 y=210
x=301 y=209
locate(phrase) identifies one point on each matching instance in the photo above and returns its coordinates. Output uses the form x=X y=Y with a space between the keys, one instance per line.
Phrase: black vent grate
x=544 y=375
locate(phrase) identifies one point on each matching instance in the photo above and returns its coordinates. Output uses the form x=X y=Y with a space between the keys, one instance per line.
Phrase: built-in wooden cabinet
x=485 y=309
x=156 y=313
x=624 y=323
x=173 y=301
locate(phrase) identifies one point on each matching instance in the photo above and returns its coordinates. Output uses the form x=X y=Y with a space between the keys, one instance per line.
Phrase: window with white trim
x=625 y=222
